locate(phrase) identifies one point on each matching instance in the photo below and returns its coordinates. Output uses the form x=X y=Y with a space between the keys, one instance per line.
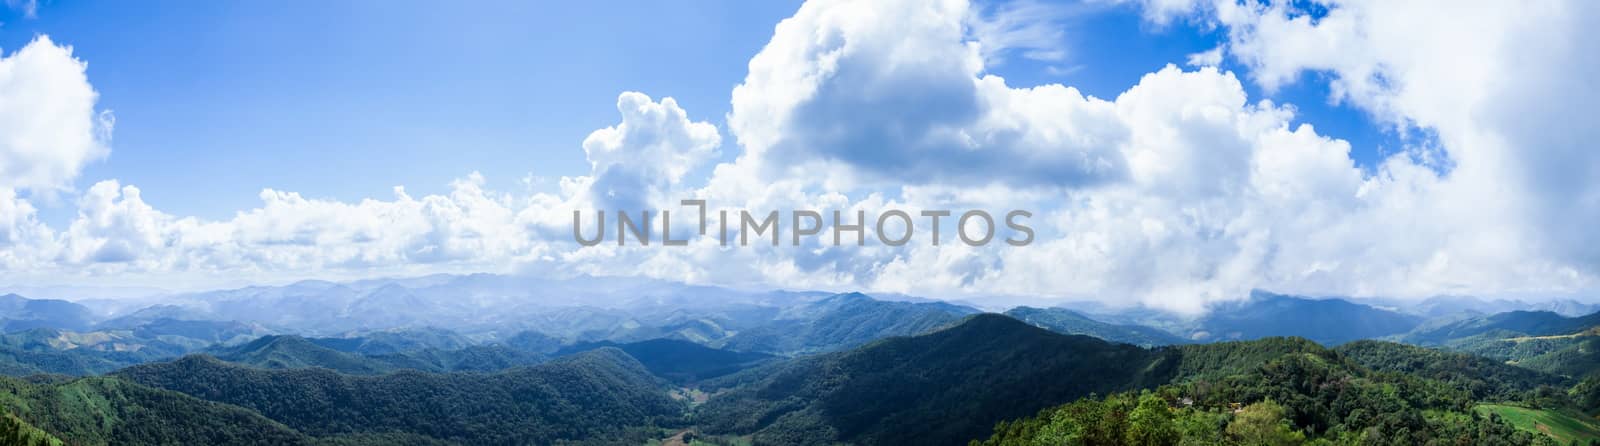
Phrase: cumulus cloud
x=48 y=125
x=636 y=161
x=895 y=92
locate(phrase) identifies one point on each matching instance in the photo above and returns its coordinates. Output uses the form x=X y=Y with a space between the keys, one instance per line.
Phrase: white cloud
x=48 y=126
x=894 y=92
x=636 y=161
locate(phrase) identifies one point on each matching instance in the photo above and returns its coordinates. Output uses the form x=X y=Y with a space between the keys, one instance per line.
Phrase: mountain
x=843 y=321
x=393 y=341
x=1263 y=315
x=942 y=387
x=678 y=361
x=582 y=396
x=19 y=313
x=294 y=352
x=1064 y=321
x=63 y=352
x=1502 y=325
x=1485 y=378
x=954 y=384
x=110 y=411
x=1458 y=306
x=1310 y=396
x=476 y=358
x=1326 y=321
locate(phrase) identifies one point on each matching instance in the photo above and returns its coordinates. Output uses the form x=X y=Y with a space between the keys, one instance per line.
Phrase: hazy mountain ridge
x=1066 y=321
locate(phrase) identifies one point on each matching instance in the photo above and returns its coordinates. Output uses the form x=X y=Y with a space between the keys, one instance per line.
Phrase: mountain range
x=644 y=361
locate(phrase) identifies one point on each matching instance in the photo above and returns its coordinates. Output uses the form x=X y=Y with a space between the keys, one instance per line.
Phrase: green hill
x=15 y=432
x=581 y=396
x=681 y=362
x=1296 y=398
x=1561 y=426
x=106 y=411
x=294 y=352
x=1485 y=378
x=940 y=388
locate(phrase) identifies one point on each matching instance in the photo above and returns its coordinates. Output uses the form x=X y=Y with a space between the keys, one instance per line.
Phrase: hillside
x=19 y=313
x=580 y=396
x=1502 y=325
x=1484 y=378
x=1565 y=428
x=294 y=352
x=940 y=388
x=109 y=411
x=1064 y=321
x=843 y=321
x=43 y=350
x=1285 y=401
x=680 y=361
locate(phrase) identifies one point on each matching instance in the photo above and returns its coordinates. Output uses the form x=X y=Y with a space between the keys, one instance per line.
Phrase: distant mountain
x=534 y=342
x=394 y=341
x=70 y=353
x=1064 y=321
x=582 y=396
x=1326 y=321
x=943 y=387
x=575 y=309
x=1456 y=306
x=1508 y=324
x=843 y=321
x=19 y=313
x=294 y=352
x=682 y=362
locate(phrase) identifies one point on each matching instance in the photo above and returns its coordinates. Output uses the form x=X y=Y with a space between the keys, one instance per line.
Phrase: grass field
x=1562 y=426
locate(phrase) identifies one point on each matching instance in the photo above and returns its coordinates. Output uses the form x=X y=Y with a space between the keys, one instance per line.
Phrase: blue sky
x=216 y=100
x=1173 y=152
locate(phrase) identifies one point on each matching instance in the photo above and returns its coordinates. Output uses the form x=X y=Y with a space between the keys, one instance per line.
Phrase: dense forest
x=1308 y=398
x=592 y=394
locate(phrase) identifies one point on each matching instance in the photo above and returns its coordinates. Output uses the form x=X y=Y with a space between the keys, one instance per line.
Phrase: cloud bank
x=1180 y=191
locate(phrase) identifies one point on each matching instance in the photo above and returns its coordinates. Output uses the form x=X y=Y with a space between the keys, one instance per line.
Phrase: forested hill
x=953 y=385
x=1512 y=323
x=681 y=362
x=1314 y=396
x=586 y=395
x=940 y=388
x=109 y=411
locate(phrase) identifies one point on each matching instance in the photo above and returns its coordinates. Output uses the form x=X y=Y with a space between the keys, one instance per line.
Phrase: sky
x=1173 y=152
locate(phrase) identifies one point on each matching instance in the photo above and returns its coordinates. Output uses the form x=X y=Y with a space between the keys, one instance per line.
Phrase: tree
x=1151 y=423
x=1263 y=424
